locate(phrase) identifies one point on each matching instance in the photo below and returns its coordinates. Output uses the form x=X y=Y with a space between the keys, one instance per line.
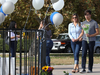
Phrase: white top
x=12 y=34
x=73 y=31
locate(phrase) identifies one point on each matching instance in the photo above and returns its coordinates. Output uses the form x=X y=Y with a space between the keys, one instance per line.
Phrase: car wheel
x=97 y=50
x=68 y=50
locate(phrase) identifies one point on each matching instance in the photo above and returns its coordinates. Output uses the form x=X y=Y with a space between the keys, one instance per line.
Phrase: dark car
x=97 y=44
x=62 y=43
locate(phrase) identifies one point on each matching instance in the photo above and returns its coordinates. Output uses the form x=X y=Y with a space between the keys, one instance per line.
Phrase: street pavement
x=58 y=70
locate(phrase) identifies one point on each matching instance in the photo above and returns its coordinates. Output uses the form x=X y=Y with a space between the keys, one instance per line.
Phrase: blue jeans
x=76 y=48
x=13 y=46
x=49 y=45
x=86 y=46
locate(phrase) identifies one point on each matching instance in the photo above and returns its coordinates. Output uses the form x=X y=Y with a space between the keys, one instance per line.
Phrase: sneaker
x=82 y=71
x=89 y=71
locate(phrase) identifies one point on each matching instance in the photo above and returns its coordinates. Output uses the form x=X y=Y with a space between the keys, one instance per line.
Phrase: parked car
x=62 y=43
x=97 y=44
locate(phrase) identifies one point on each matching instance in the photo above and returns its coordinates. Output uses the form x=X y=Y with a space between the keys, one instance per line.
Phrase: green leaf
x=64 y=71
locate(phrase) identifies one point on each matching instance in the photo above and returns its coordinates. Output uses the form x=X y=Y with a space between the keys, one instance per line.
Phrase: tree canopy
x=22 y=8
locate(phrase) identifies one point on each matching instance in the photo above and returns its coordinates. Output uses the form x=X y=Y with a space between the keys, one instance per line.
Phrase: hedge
x=18 y=45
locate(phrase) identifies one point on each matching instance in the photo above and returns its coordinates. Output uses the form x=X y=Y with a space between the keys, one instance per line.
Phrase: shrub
x=6 y=47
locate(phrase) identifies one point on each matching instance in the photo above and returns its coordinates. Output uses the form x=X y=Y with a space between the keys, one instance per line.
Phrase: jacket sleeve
x=69 y=31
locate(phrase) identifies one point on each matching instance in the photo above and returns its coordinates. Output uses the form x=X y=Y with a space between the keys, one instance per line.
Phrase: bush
x=6 y=47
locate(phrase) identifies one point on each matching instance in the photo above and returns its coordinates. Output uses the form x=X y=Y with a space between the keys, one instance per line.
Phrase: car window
x=97 y=38
x=63 y=37
x=67 y=37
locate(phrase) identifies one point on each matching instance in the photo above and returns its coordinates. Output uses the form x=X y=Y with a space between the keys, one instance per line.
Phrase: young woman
x=11 y=34
x=75 y=33
x=49 y=42
x=49 y=45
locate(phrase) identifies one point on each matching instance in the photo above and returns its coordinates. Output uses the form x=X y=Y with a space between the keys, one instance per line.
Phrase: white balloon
x=58 y=5
x=2 y=1
x=57 y=19
x=53 y=1
x=2 y=17
x=13 y=1
x=8 y=7
x=38 y=4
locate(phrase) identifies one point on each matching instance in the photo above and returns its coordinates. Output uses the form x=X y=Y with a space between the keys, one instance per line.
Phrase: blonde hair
x=78 y=20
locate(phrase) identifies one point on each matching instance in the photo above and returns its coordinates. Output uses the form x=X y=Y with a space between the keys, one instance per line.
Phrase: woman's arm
x=69 y=32
x=18 y=36
x=12 y=37
x=80 y=36
x=39 y=27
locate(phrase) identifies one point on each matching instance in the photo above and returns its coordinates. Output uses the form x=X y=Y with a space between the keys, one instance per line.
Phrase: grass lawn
x=68 y=59
x=58 y=59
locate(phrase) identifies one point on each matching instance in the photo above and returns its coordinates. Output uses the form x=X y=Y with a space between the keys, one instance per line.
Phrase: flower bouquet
x=46 y=70
x=86 y=30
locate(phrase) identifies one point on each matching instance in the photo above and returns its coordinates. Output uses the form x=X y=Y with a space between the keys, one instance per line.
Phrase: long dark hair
x=45 y=23
x=12 y=25
x=78 y=20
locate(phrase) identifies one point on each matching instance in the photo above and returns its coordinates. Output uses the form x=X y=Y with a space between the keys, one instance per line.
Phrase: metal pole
x=15 y=51
x=21 y=52
x=9 y=49
x=35 y=50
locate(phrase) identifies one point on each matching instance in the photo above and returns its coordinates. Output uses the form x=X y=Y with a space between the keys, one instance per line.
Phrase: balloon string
x=36 y=11
x=46 y=15
x=28 y=15
x=47 y=25
x=47 y=12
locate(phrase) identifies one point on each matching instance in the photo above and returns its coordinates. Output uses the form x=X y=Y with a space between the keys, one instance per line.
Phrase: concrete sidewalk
x=58 y=70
